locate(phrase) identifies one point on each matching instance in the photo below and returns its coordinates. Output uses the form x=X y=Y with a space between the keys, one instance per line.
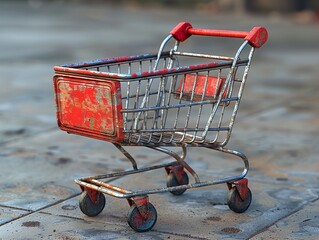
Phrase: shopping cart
x=158 y=101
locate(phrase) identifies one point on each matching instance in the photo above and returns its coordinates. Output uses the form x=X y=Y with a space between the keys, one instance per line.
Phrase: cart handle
x=256 y=37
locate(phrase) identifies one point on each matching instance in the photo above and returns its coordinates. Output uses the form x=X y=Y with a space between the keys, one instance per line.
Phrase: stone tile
x=40 y=172
x=281 y=142
x=9 y=214
x=47 y=226
x=302 y=224
x=202 y=213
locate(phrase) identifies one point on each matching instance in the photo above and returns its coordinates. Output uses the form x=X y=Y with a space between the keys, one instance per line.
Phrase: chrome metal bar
x=126 y=154
x=179 y=159
x=163 y=44
x=179 y=105
x=238 y=154
x=108 y=186
x=129 y=172
x=228 y=79
x=190 y=106
x=240 y=92
x=93 y=183
x=173 y=130
x=151 y=80
x=201 y=106
x=202 y=55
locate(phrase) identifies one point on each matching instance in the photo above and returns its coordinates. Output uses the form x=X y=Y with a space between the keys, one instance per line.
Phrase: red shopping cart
x=158 y=101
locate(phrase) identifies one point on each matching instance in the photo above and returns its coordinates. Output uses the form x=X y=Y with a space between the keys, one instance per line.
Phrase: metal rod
x=228 y=79
x=179 y=159
x=127 y=155
x=176 y=130
x=178 y=105
x=129 y=172
x=202 y=55
x=108 y=186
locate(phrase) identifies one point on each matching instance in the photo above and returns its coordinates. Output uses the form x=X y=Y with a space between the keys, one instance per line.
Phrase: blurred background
x=38 y=34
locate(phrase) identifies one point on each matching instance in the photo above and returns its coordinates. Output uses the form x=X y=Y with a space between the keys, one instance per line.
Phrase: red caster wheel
x=90 y=208
x=235 y=201
x=177 y=177
x=140 y=223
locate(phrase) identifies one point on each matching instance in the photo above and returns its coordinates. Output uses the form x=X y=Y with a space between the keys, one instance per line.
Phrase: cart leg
x=179 y=159
x=238 y=154
x=142 y=215
x=239 y=197
x=126 y=154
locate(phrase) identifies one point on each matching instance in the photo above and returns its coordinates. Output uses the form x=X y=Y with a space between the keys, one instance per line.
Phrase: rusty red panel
x=89 y=107
x=213 y=86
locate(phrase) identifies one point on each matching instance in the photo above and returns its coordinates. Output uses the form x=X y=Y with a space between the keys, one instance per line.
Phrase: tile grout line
x=28 y=135
x=283 y=217
x=30 y=212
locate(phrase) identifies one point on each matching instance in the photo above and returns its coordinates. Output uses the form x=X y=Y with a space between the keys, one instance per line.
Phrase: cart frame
x=141 y=118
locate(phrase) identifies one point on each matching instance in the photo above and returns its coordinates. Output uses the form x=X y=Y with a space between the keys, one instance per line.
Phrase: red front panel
x=89 y=107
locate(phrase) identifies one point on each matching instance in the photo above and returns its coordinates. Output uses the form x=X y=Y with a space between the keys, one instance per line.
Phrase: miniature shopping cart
x=158 y=101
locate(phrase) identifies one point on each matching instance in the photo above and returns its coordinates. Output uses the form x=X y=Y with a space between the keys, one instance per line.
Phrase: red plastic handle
x=256 y=37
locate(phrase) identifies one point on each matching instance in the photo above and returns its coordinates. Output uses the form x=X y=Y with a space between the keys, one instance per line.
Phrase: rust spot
x=63 y=236
x=283 y=179
x=293 y=153
x=62 y=161
x=231 y=230
x=215 y=219
x=20 y=152
x=53 y=147
x=69 y=207
x=31 y=224
x=14 y=132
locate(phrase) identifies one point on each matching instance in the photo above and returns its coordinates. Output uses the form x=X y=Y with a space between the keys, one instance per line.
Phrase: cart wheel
x=235 y=203
x=172 y=182
x=140 y=224
x=90 y=208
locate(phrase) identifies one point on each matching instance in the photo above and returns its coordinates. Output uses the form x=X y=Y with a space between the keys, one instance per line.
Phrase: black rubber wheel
x=172 y=182
x=235 y=203
x=88 y=207
x=140 y=224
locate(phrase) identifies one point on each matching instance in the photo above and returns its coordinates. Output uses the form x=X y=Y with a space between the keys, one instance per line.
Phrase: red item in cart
x=197 y=84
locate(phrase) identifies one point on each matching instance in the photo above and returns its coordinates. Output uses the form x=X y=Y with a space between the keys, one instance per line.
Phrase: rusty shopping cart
x=158 y=101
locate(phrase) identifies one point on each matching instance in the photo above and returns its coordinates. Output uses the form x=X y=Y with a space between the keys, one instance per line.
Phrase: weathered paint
x=165 y=71
x=141 y=202
x=93 y=194
x=257 y=37
x=109 y=61
x=195 y=85
x=138 y=75
x=180 y=31
x=178 y=172
x=89 y=107
x=241 y=186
